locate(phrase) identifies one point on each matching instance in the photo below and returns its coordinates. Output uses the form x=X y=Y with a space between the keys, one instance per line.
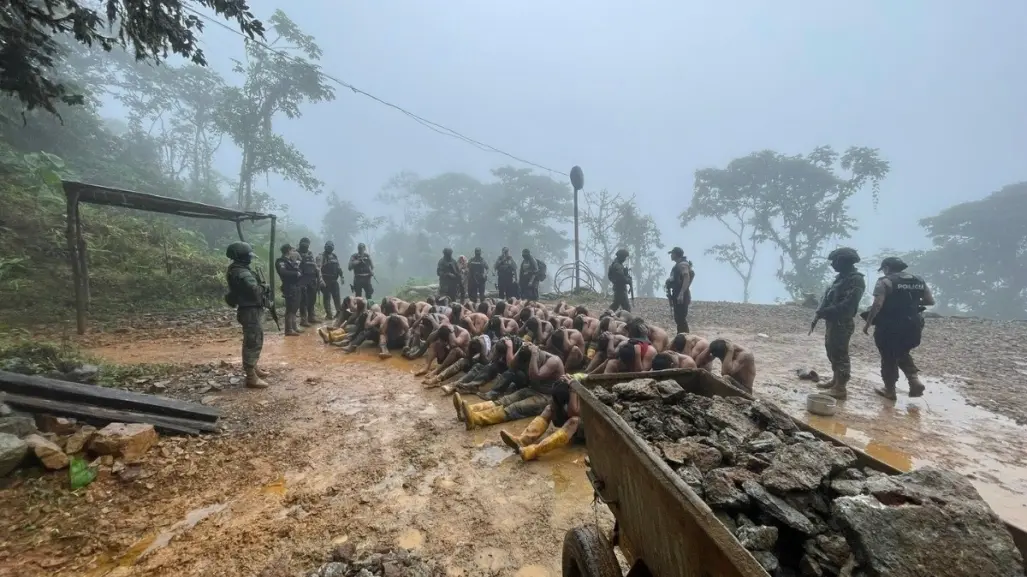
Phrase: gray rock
x=726 y=520
x=847 y=488
x=776 y=508
x=5 y=410
x=83 y=374
x=12 y=451
x=692 y=477
x=809 y=567
x=685 y=452
x=802 y=466
x=851 y=474
x=17 y=425
x=803 y=436
x=831 y=550
x=333 y=569
x=764 y=442
x=767 y=560
x=723 y=413
x=758 y=538
x=809 y=503
x=675 y=428
x=934 y=539
x=606 y=397
x=772 y=416
x=670 y=391
x=637 y=390
x=921 y=486
x=721 y=492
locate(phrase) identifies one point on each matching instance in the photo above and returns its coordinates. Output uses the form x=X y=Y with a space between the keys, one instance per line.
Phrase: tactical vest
x=330 y=267
x=477 y=267
x=239 y=292
x=361 y=268
x=308 y=266
x=904 y=299
x=506 y=267
x=284 y=262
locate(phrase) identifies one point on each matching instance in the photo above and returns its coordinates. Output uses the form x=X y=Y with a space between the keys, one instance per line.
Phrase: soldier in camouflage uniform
x=249 y=297
x=618 y=275
x=838 y=309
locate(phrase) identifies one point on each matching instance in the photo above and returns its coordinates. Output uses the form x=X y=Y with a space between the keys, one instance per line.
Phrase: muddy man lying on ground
x=735 y=362
x=563 y=412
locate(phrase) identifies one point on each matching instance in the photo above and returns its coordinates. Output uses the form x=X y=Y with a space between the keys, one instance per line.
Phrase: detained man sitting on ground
x=417 y=337
x=671 y=360
x=736 y=362
x=606 y=350
x=479 y=357
x=693 y=346
x=538 y=372
x=448 y=345
x=633 y=356
x=563 y=412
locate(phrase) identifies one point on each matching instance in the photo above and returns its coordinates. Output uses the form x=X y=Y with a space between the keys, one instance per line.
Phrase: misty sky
x=641 y=94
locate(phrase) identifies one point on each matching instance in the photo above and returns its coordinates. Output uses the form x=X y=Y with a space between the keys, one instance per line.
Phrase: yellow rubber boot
x=490 y=416
x=558 y=439
x=466 y=408
x=535 y=429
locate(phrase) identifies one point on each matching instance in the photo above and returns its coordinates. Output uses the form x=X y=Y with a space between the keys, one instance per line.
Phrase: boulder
x=56 y=425
x=953 y=538
x=48 y=452
x=721 y=492
x=925 y=485
x=17 y=425
x=704 y=457
x=637 y=390
x=724 y=413
x=670 y=391
x=830 y=550
x=803 y=466
x=757 y=538
x=130 y=441
x=847 y=488
x=778 y=509
x=772 y=416
x=767 y=560
x=763 y=443
x=80 y=439
x=12 y=451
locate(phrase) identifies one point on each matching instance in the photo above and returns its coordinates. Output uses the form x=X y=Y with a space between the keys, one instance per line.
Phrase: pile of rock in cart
x=802 y=506
x=47 y=421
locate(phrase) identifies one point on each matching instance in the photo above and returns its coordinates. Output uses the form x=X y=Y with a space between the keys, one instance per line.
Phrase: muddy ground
x=350 y=449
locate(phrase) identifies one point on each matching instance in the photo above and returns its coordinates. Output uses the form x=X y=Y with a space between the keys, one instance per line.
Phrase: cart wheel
x=586 y=553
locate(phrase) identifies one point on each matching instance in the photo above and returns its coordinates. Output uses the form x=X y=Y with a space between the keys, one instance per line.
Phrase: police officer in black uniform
x=478 y=273
x=897 y=317
x=618 y=275
x=506 y=275
x=288 y=268
x=679 y=287
x=363 y=271
x=310 y=281
x=331 y=274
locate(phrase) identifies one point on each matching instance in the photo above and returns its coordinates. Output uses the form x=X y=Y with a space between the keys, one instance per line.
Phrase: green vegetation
x=18 y=355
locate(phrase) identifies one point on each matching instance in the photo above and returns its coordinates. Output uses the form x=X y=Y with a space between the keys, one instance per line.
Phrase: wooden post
x=76 y=273
x=271 y=260
x=83 y=255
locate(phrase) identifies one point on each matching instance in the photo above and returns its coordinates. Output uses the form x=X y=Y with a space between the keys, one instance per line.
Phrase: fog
x=641 y=95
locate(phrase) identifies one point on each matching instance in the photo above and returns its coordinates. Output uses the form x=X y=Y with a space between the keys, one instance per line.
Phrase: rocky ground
x=350 y=451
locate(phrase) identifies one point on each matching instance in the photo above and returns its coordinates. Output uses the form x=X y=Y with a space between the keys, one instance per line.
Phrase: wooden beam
x=101 y=416
x=83 y=256
x=76 y=272
x=44 y=388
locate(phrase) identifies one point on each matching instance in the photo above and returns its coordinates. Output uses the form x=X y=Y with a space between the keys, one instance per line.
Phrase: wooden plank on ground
x=101 y=416
x=44 y=388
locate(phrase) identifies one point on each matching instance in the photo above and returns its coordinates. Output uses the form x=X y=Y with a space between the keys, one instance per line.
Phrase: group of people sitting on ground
x=528 y=351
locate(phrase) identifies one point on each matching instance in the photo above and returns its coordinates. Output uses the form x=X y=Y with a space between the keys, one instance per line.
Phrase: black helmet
x=525 y=252
x=477 y=252
x=447 y=252
x=622 y=253
x=844 y=253
x=304 y=240
x=237 y=250
x=893 y=263
x=361 y=246
x=329 y=245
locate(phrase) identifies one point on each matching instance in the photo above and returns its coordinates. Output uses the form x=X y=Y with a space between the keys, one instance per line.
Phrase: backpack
x=541 y=275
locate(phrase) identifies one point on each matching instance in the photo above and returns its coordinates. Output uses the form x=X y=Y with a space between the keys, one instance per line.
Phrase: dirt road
x=350 y=450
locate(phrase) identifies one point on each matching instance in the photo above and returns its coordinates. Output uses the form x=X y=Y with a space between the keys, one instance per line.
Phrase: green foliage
x=30 y=52
x=796 y=203
x=30 y=357
x=612 y=222
x=978 y=263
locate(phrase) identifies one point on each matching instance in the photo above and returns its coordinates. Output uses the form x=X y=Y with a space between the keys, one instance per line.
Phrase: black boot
x=887 y=391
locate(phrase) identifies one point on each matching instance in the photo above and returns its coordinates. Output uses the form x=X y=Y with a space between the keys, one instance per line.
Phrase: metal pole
x=577 y=260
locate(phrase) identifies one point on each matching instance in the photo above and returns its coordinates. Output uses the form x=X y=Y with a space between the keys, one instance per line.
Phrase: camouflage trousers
x=620 y=299
x=837 y=335
x=251 y=319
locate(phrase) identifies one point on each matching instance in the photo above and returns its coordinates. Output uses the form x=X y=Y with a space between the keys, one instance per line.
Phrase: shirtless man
x=589 y=329
x=392 y=335
x=392 y=305
x=632 y=357
x=372 y=325
x=448 y=345
x=417 y=310
x=536 y=331
x=417 y=337
x=561 y=322
x=735 y=362
x=500 y=327
x=693 y=346
x=613 y=325
x=507 y=309
x=606 y=350
x=485 y=308
x=569 y=345
x=563 y=412
x=456 y=314
x=475 y=323
x=536 y=372
x=672 y=360
x=479 y=355
x=562 y=308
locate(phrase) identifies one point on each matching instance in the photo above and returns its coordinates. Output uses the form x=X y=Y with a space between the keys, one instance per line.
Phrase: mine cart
x=662 y=527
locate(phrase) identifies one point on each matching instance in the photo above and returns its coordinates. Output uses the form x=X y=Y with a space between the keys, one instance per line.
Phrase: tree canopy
x=31 y=30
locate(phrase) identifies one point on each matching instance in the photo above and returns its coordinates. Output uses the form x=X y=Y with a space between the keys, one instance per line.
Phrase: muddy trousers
x=362 y=286
x=837 y=335
x=894 y=343
x=251 y=319
x=523 y=403
x=620 y=299
x=331 y=293
x=308 y=298
x=681 y=316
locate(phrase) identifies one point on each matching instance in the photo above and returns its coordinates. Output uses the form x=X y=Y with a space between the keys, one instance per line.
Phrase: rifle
x=265 y=297
x=631 y=285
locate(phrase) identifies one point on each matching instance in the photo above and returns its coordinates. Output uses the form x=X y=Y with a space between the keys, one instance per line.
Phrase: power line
x=434 y=126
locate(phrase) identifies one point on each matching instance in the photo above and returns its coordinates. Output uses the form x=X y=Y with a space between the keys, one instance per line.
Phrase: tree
x=601 y=241
x=30 y=50
x=979 y=260
x=339 y=222
x=725 y=196
x=276 y=82
x=797 y=204
x=639 y=234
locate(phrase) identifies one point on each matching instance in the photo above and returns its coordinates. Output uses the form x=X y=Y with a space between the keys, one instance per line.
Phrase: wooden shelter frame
x=77 y=192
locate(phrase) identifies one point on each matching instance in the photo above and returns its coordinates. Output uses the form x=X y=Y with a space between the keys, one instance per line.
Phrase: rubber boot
x=253 y=381
x=311 y=319
x=887 y=391
x=535 y=429
x=296 y=323
x=558 y=439
x=325 y=334
x=303 y=320
x=290 y=326
x=829 y=384
x=458 y=404
x=838 y=390
x=462 y=407
x=261 y=373
x=486 y=417
x=916 y=388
